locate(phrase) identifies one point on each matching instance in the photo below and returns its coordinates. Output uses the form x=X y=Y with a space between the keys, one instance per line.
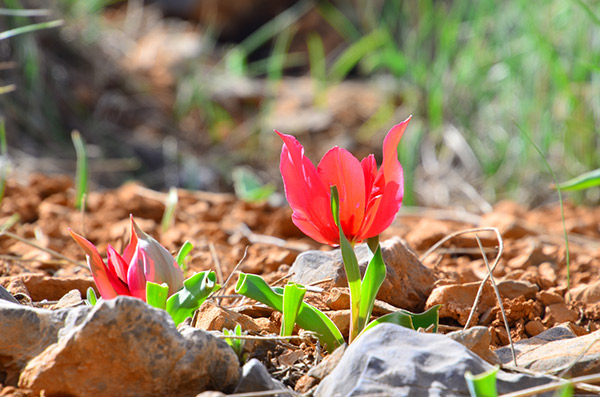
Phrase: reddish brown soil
x=533 y=245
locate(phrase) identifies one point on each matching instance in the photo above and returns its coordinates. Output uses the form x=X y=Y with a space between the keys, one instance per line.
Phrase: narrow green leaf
x=170 y=206
x=309 y=317
x=196 y=289
x=4 y=163
x=248 y=187
x=583 y=181
x=374 y=277
x=30 y=28
x=91 y=298
x=185 y=249
x=82 y=169
x=399 y=318
x=292 y=299
x=353 y=54
x=566 y=390
x=425 y=320
x=156 y=294
x=482 y=385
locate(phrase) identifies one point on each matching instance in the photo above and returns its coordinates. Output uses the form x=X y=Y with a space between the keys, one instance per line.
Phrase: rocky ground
x=40 y=266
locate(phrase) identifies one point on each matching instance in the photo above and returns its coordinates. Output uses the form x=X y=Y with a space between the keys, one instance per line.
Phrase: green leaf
x=565 y=391
x=482 y=385
x=292 y=299
x=248 y=186
x=196 y=289
x=426 y=319
x=82 y=169
x=185 y=249
x=406 y=319
x=374 y=277
x=583 y=181
x=156 y=294
x=91 y=298
x=309 y=317
x=237 y=344
x=30 y=28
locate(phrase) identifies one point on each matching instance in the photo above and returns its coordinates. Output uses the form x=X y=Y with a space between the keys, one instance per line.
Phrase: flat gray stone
x=256 y=378
x=391 y=360
x=7 y=296
x=554 y=350
x=407 y=285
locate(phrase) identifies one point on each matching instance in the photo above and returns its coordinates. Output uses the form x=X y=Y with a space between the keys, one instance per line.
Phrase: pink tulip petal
x=330 y=236
x=389 y=183
x=161 y=266
x=305 y=191
x=117 y=263
x=340 y=168
x=107 y=282
x=136 y=278
x=133 y=242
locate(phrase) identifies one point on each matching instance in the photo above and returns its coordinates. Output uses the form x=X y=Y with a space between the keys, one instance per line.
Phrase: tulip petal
x=306 y=193
x=116 y=263
x=107 y=282
x=133 y=241
x=340 y=168
x=136 y=277
x=161 y=266
x=389 y=183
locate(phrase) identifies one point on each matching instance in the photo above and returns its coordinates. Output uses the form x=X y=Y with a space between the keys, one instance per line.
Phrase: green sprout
x=237 y=344
x=82 y=169
x=170 y=206
x=91 y=298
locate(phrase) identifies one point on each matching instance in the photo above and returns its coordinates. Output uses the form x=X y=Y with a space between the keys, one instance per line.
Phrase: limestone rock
x=553 y=350
x=124 y=347
x=42 y=287
x=7 y=296
x=512 y=289
x=256 y=378
x=477 y=339
x=26 y=332
x=407 y=285
x=457 y=300
x=392 y=360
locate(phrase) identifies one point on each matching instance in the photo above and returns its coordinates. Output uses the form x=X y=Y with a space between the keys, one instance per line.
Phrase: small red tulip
x=144 y=259
x=369 y=199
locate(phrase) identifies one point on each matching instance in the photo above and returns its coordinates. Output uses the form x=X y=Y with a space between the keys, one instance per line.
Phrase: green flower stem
x=350 y=266
x=309 y=317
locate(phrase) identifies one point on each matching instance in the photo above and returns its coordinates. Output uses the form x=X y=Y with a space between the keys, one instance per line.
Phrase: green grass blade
x=428 y=320
x=170 y=206
x=583 y=181
x=184 y=251
x=82 y=169
x=589 y=11
x=30 y=28
x=482 y=385
x=353 y=54
x=292 y=300
x=24 y=13
x=560 y=200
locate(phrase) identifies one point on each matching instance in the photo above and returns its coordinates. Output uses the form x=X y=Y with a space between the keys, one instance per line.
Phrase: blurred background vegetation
x=184 y=92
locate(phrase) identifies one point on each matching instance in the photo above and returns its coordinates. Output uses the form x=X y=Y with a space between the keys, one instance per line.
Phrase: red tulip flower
x=369 y=199
x=144 y=259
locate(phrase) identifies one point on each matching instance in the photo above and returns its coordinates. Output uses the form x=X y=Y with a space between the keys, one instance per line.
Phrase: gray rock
x=407 y=285
x=391 y=360
x=554 y=350
x=119 y=347
x=26 y=332
x=7 y=296
x=256 y=378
